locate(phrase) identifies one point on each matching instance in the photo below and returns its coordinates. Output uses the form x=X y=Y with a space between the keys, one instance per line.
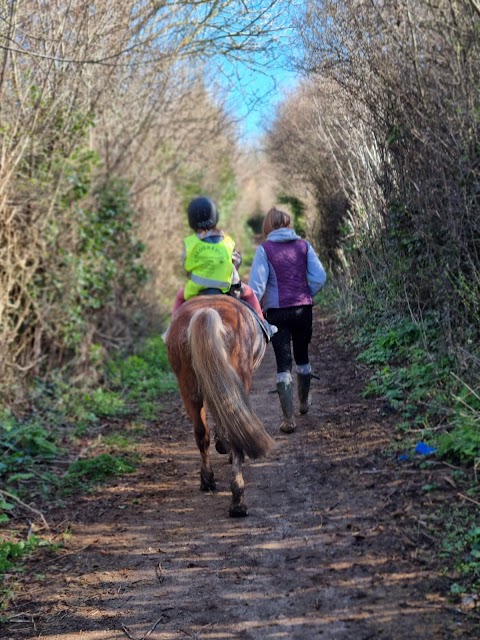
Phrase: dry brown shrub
x=408 y=72
x=327 y=159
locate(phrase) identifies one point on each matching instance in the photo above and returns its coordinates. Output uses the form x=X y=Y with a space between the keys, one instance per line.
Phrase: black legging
x=294 y=327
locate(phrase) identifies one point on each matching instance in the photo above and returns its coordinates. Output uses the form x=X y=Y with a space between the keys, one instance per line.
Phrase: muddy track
x=332 y=547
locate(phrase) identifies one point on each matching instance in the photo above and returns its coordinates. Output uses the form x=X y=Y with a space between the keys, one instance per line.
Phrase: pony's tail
x=222 y=388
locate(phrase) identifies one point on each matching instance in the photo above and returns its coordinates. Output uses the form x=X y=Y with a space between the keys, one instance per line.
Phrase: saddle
x=234 y=292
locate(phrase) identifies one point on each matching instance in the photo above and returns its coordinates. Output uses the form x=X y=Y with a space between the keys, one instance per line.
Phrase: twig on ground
x=195 y=636
x=452 y=466
x=159 y=573
x=126 y=630
x=153 y=627
x=71 y=553
x=24 y=617
x=26 y=506
x=467 y=498
x=127 y=633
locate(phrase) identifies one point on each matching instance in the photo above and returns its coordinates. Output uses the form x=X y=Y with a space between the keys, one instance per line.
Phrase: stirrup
x=271 y=329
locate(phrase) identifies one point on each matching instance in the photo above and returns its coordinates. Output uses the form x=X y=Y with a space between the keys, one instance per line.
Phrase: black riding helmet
x=202 y=213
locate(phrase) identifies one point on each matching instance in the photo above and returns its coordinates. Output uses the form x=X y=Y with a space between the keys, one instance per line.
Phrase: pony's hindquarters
x=222 y=388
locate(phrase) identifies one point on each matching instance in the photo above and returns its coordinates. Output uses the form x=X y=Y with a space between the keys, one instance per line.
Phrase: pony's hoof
x=288 y=427
x=207 y=482
x=221 y=446
x=238 y=511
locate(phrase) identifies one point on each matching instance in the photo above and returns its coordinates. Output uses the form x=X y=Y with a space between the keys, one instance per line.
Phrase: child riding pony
x=214 y=344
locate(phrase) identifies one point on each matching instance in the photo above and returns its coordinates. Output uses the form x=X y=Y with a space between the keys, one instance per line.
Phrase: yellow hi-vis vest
x=208 y=265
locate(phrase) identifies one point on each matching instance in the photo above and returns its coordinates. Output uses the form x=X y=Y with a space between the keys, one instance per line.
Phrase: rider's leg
x=179 y=300
x=249 y=296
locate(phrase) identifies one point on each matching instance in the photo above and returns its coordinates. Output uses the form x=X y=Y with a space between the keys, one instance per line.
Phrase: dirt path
x=334 y=547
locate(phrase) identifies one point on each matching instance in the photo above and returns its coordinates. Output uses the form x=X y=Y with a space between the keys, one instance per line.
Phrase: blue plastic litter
x=404 y=457
x=424 y=449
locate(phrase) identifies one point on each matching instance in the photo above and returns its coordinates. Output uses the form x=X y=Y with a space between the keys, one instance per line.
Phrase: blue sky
x=253 y=95
x=257 y=81
x=258 y=102
x=250 y=93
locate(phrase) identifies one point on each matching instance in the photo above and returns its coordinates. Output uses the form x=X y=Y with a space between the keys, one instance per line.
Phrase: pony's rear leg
x=238 y=508
x=202 y=437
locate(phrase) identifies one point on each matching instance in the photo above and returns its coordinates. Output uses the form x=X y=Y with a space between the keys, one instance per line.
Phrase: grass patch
x=144 y=377
x=27 y=448
x=82 y=475
x=411 y=371
x=120 y=440
x=12 y=554
x=30 y=444
x=460 y=547
x=12 y=551
x=35 y=446
x=461 y=443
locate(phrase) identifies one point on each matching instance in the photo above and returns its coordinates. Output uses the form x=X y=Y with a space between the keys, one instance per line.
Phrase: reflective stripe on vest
x=208 y=264
x=208 y=282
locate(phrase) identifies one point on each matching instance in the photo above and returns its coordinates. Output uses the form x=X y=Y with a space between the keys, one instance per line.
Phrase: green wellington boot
x=304 y=397
x=285 y=393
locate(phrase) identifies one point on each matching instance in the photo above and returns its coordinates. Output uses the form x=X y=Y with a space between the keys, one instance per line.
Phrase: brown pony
x=214 y=346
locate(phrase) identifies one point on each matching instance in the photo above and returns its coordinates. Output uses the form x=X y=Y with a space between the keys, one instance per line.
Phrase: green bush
x=414 y=379
x=23 y=445
x=462 y=442
x=461 y=546
x=412 y=372
x=105 y=404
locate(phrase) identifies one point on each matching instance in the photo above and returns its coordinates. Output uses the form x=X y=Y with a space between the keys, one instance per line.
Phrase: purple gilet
x=286 y=271
x=288 y=260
